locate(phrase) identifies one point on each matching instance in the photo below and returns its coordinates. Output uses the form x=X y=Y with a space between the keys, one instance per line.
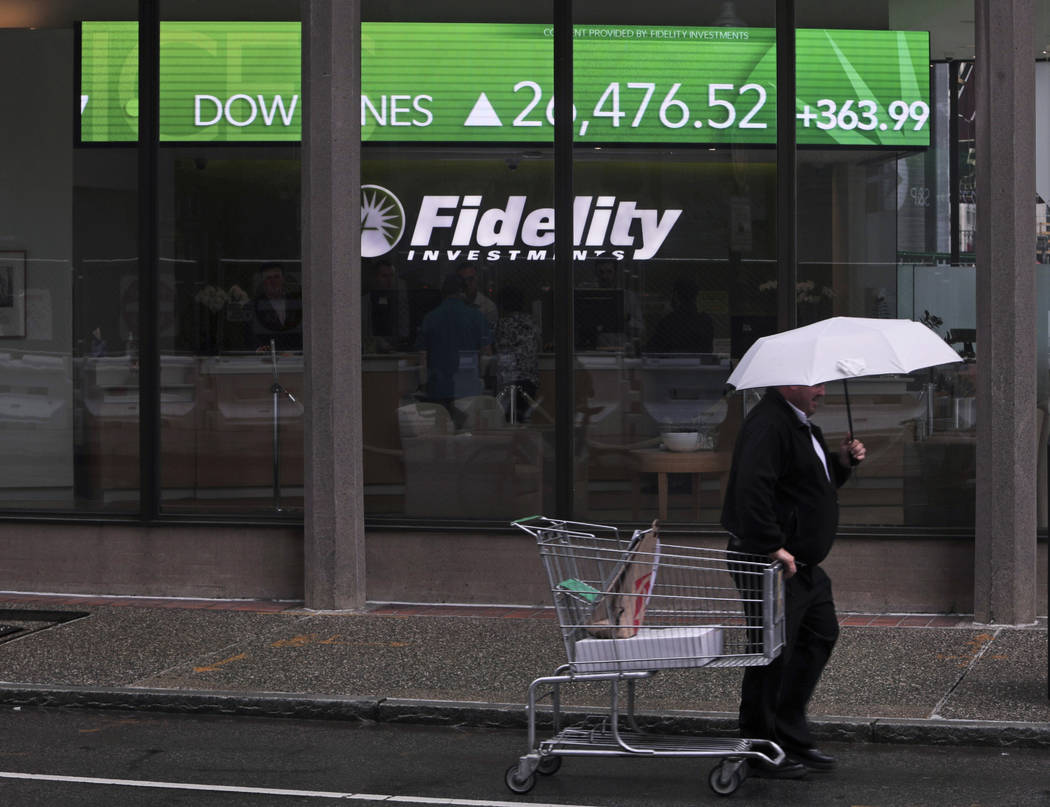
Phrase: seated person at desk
x=454 y=336
x=385 y=310
x=684 y=329
x=277 y=313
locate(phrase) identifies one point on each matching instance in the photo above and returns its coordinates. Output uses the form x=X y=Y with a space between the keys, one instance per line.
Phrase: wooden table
x=663 y=462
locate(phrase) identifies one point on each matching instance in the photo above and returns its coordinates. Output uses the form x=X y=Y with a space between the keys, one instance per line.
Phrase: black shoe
x=787 y=769
x=813 y=758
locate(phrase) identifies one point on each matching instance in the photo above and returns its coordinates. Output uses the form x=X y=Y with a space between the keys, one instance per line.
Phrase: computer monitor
x=965 y=337
x=685 y=391
x=598 y=313
x=744 y=331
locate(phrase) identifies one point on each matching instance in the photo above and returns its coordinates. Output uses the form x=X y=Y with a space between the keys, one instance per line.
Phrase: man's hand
x=852 y=451
x=787 y=559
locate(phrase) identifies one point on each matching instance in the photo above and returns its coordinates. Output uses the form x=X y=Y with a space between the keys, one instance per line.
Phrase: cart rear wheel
x=725 y=779
x=515 y=783
x=549 y=765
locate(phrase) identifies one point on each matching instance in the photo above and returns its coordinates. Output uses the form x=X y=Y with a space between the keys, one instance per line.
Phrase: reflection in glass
x=657 y=328
x=874 y=242
x=458 y=337
x=231 y=303
x=69 y=415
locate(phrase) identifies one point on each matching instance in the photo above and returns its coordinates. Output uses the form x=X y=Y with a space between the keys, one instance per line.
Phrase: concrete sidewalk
x=930 y=679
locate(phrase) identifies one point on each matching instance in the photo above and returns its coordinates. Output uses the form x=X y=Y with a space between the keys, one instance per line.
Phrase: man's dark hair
x=452 y=284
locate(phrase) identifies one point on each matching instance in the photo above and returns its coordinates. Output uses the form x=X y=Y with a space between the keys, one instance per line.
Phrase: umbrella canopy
x=840 y=348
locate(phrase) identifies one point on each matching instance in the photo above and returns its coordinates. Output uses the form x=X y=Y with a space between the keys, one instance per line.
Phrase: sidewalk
x=930 y=679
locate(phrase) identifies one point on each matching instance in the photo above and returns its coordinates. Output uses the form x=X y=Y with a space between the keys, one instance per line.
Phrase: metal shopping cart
x=629 y=606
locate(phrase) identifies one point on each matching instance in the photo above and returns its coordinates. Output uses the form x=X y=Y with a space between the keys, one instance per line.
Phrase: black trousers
x=773 y=698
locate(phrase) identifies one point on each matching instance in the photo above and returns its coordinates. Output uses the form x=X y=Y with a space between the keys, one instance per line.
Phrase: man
x=781 y=501
x=684 y=329
x=468 y=273
x=454 y=336
x=607 y=276
x=277 y=314
x=385 y=310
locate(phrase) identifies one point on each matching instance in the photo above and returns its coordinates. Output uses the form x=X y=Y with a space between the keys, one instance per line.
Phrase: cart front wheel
x=549 y=765
x=725 y=779
x=515 y=783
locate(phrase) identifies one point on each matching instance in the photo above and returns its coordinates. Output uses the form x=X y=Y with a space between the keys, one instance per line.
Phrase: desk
x=663 y=462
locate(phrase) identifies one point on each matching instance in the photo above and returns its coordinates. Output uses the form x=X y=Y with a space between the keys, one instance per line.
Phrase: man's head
x=384 y=276
x=804 y=398
x=273 y=280
x=605 y=273
x=451 y=286
x=468 y=273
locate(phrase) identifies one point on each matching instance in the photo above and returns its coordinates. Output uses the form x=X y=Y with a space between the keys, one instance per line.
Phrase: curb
x=374 y=709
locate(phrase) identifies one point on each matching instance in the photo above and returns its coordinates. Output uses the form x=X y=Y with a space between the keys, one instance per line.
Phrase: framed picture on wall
x=12 y=293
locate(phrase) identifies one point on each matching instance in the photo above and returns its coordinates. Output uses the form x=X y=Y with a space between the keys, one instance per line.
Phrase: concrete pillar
x=1005 y=547
x=334 y=564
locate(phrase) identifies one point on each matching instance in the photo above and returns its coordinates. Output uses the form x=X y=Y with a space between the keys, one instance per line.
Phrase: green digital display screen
x=219 y=81
x=437 y=82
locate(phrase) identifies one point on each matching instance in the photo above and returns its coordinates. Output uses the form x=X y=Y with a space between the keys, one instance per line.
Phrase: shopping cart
x=630 y=606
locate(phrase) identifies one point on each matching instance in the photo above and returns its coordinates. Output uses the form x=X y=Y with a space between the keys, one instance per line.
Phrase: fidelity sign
x=465 y=228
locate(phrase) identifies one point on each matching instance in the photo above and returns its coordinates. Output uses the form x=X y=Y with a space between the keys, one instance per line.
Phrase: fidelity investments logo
x=605 y=226
x=382 y=221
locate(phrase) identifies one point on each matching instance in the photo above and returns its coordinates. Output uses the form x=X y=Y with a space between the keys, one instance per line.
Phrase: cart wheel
x=549 y=765
x=725 y=779
x=515 y=783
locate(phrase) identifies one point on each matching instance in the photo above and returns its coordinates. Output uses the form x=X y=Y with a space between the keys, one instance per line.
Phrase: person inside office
x=277 y=312
x=454 y=336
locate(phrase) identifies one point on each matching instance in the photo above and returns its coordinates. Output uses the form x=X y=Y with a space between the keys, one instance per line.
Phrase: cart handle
x=523 y=520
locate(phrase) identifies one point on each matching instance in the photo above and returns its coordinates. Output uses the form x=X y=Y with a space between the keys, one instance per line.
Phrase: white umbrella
x=840 y=348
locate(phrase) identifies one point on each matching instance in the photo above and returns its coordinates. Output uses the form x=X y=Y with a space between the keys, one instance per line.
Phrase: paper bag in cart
x=621 y=610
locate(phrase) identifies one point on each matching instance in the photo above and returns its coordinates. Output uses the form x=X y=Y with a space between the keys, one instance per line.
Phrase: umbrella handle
x=849 y=418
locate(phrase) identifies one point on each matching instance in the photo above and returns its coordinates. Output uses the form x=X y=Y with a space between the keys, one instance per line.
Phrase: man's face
x=805 y=398
x=469 y=276
x=606 y=274
x=385 y=277
x=273 y=283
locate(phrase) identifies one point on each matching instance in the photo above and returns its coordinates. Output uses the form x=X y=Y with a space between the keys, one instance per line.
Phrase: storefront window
x=231 y=328
x=876 y=240
x=229 y=273
x=675 y=157
x=69 y=270
x=457 y=263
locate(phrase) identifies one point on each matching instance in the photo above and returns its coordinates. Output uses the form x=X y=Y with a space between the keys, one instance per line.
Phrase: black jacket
x=778 y=494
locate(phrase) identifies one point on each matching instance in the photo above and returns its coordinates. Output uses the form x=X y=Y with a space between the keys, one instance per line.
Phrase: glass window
x=875 y=240
x=675 y=264
x=69 y=268
x=230 y=273
x=457 y=262
x=231 y=330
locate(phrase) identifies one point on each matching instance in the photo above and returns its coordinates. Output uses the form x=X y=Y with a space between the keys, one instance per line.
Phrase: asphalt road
x=77 y=757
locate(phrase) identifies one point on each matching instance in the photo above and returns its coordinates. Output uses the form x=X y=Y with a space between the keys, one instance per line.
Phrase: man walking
x=782 y=501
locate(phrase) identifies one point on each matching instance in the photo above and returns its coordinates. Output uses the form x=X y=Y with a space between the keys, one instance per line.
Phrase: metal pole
x=787 y=198
x=565 y=404
x=276 y=390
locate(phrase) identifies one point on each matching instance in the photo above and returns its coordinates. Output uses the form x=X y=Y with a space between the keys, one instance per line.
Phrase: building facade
x=311 y=300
